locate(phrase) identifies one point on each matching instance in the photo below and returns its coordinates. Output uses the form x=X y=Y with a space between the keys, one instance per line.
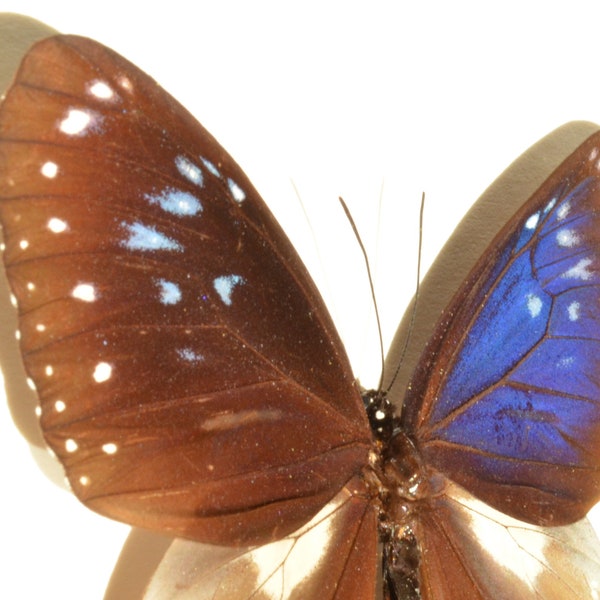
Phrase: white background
x=334 y=98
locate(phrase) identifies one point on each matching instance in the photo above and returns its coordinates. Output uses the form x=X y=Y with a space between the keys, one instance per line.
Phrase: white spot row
x=72 y=446
x=533 y=221
x=193 y=173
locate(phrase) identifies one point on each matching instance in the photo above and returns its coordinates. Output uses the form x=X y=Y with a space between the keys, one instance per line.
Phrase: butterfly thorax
x=399 y=469
x=403 y=485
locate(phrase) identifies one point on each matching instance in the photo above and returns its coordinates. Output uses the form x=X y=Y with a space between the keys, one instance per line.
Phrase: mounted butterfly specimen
x=191 y=380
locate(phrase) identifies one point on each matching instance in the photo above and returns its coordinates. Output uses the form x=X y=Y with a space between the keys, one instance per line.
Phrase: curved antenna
x=413 y=313
x=364 y=253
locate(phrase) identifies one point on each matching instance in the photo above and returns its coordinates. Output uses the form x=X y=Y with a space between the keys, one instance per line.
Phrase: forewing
x=190 y=377
x=506 y=400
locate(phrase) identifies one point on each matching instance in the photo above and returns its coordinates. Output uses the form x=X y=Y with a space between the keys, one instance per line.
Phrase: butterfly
x=192 y=382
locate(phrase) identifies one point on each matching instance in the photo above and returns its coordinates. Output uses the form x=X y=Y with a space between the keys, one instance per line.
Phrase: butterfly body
x=191 y=380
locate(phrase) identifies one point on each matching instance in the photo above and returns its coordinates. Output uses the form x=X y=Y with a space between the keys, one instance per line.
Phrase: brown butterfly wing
x=190 y=377
x=474 y=552
x=334 y=556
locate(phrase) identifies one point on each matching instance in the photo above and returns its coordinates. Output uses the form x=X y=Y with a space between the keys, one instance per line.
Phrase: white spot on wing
x=109 y=448
x=534 y=305
x=236 y=191
x=579 y=271
x=71 y=445
x=549 y=206
x=49 y=370
x=210 y=167
x=176 y=202
x=84 y=480
x=59 y=406
x=23 y=244
x=49 y=169
x=85 y=292
x=573 y=311
x=169 y=292
x=567 y=238
x=190 y=355
x=563 y=211
x=77 y=122
x=566 y=362
x=532 y=221
x=125 y=83
x=189 y=170
x=102 y=372
x=224 y=286
x=56 y=225
x=101 y=90
x=144 y=237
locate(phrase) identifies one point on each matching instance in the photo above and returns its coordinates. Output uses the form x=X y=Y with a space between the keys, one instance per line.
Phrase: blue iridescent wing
x=509 y=401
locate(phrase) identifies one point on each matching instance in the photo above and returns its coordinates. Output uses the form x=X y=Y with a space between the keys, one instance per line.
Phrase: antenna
x=413 y=313
x=364 y=253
